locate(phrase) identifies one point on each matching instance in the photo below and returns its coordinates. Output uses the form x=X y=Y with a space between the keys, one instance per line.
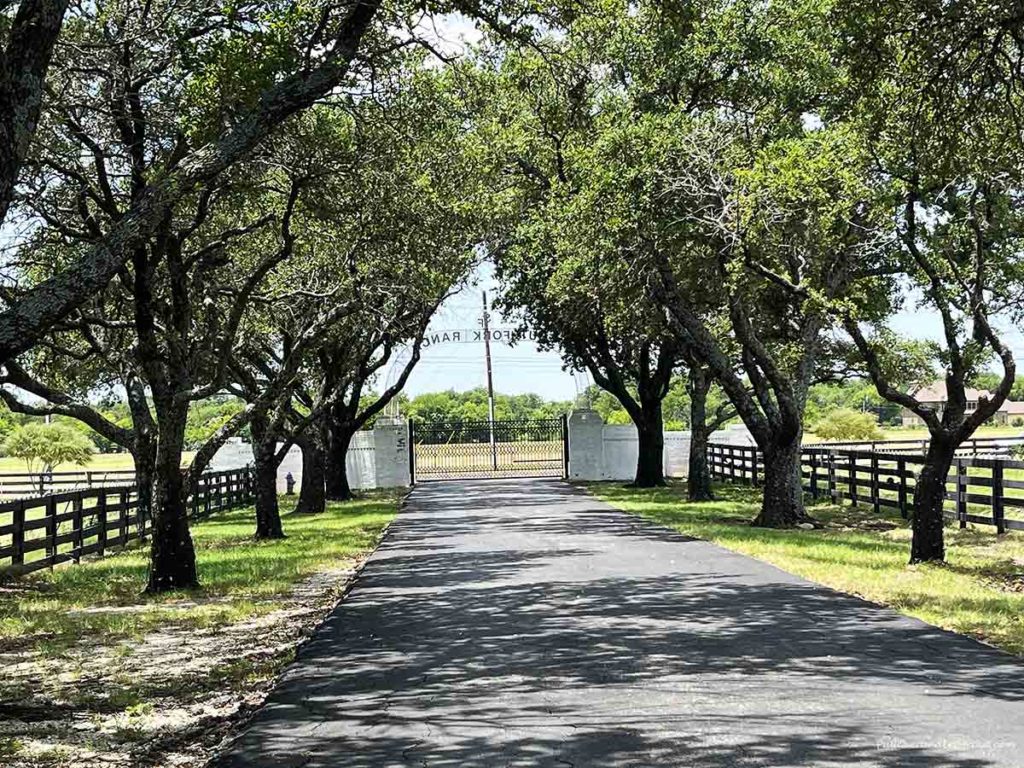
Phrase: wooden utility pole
x=490 y=383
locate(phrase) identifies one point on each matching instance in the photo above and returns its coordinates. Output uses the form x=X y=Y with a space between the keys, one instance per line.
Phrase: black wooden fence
x=974 y=446
x=16 y=485
x=44 y=531
x=979 y=489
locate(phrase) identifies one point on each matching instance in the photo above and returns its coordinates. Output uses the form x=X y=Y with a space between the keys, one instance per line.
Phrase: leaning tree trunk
x=312 y=492
x=783 y=503
x=338 y=441
x=929 y=500
x=698 y=481
x=172 y=556
x=264 y=449
x=650 y=460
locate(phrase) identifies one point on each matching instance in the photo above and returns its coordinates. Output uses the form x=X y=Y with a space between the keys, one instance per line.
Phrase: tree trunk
x=698 y=482
x=30 y=38
x=339 y=439
x=929 y=499
x=783 y=503
x=172 y=556
x=144 y=457
x=312 y=493
x=264 y=449
x=650 y=461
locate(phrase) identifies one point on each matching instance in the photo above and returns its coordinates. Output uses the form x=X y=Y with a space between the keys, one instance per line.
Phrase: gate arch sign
x=473 y=335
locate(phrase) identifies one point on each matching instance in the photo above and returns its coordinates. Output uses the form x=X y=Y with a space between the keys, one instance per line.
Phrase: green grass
x=979 y=591
x=101 y=600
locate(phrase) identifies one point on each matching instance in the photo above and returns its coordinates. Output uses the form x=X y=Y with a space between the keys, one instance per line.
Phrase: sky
x=523 y=368
x=517 y=369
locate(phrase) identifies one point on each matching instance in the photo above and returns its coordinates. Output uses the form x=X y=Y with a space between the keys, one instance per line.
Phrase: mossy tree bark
x=312 y=491
x=266 y=462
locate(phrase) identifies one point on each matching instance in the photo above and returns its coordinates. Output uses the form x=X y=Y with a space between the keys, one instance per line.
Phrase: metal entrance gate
x=466 y=449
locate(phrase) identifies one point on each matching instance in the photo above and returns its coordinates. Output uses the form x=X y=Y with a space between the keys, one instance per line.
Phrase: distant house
x=1011 y=411
x=934 y=396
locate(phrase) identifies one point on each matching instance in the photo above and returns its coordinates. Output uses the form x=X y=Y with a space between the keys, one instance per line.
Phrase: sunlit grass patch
x=102 y=599
x=98 y=673
x=979 y=591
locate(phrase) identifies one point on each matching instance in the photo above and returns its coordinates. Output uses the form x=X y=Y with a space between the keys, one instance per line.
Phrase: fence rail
x=16 y=485
x=979 y=489
x=974 y=446
x=44 y=531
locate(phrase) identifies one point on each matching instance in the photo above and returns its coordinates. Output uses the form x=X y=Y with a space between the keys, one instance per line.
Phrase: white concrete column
x=586 y=445
x=391 y=452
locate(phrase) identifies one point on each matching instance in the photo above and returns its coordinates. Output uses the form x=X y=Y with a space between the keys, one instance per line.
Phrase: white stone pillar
x=391 y=452
x=586 y=445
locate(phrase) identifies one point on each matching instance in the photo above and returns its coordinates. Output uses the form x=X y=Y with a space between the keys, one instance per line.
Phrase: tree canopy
x=226 y=219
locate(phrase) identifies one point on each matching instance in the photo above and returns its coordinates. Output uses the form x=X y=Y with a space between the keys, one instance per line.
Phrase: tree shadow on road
x=458 y=650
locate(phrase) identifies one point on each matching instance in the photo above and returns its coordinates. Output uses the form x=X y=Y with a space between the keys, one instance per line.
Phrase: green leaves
x=45 y=446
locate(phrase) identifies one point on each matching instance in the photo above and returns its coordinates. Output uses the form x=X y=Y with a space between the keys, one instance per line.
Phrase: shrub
x=1018 y=421
x=847 y=424
x=44 y=446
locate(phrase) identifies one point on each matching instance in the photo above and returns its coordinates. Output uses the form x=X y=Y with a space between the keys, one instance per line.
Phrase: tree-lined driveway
x=523 y=623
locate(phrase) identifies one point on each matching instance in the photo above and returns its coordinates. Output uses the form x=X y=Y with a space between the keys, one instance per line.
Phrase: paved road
x=515 y=623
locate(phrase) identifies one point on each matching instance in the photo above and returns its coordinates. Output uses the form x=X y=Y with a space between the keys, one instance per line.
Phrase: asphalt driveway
x=524 y=623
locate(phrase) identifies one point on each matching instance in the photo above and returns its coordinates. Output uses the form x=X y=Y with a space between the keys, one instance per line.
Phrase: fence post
x=753 y=466
x=874 y=483
x=852 y=480
x=814 y=476
x=76 y=527
x=961 y=493
x=122 y=519
x=101 y=520
x=832 y=489
x=18 y=534
x=51 y=528
x=998 y=514
x=901 y=467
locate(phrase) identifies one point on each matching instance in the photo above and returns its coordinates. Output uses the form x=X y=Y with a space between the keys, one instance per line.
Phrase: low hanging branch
x=24 y=62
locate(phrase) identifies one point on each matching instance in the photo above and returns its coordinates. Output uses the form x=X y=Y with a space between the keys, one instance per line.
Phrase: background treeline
x=204 y=419
x=206 y=416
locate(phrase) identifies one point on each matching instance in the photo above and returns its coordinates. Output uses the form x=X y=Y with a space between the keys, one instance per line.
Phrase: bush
x=847 y=424
x=1018 y=421
x=44 y=446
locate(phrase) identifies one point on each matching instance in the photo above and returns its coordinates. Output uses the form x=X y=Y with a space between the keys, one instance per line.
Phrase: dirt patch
x=852 y=521
x=166 y=699
x=1010 y=582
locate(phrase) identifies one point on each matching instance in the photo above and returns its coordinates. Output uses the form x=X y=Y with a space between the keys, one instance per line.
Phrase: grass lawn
x=95 y=669
x=979 y=591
